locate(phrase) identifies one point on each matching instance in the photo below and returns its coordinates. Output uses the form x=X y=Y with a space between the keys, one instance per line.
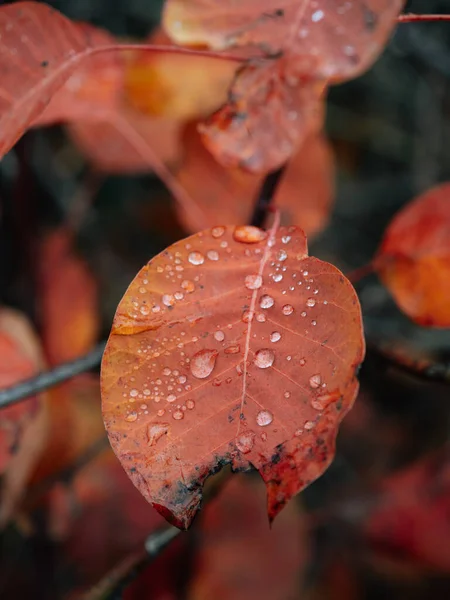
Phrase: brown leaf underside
x=198 y=374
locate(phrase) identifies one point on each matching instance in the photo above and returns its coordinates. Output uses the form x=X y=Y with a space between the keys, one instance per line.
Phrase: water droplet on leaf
x=266 y=301
x=253 y=282
x=202 y=363
x=217 y=232
x=315 y=381
x=275 y=336
x=248 y=234
x=196 y=258
x=245 y=442
x=287 y=309
x=156 y=432
x=264 y=358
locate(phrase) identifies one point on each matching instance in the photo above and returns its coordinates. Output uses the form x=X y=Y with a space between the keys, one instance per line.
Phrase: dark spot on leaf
x=44 y=63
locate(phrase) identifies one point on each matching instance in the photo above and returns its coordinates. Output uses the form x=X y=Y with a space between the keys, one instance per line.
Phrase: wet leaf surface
x=414 y=258
x=232 y=346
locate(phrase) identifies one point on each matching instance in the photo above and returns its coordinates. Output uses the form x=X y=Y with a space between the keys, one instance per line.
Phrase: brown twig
x=425 y=369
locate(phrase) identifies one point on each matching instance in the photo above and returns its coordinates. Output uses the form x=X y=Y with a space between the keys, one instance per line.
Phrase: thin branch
x=412 y=18
x=361 y=272
x=114 y=583
x=424 y=369
x=265 y=197
x=34 y=385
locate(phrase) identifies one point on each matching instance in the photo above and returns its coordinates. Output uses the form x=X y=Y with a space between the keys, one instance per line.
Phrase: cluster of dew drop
x=173 y=385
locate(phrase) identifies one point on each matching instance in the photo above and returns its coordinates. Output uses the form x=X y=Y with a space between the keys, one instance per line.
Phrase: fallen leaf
x=413 y=260
x=304 y=195
x=232 y=346
x=239 y=556
x=68 y=299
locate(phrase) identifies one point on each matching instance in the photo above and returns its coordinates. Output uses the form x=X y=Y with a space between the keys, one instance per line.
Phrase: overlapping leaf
x=232 y=346
x=414 y=258
x=275 y=102
x=304 y=196
x=335 y=40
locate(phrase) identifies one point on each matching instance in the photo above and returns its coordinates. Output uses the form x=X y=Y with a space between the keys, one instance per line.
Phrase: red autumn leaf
x=232 y=346
x=111 y=146
x=68 y=299
x=333 y=39
x=412 y=520
x=273 y=107
x=23 y=426
x=240 y=557
x=40 y=49
x=304 y=196
x=414 y=258
x=276 y=102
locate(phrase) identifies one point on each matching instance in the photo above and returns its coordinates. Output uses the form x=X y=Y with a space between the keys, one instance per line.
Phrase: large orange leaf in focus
x=414 y=258
x=231 y=346
x=94 y=90
x=334 y=39
x=304 y=195
x=240 y=557
x=68 y=299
